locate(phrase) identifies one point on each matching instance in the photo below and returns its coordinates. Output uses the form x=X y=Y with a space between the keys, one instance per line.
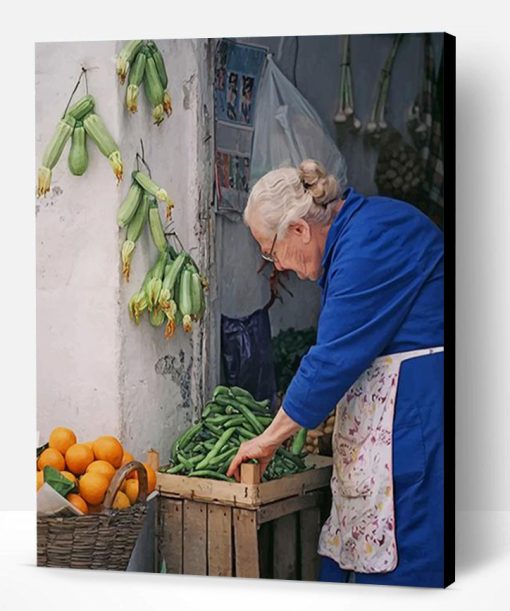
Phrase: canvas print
x=244 y=343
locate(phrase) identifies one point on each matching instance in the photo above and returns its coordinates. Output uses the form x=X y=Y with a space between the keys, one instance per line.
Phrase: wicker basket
x=97 y=541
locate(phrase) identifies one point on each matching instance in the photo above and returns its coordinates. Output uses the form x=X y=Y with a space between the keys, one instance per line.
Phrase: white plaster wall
x=99 y=373
x=77 y=283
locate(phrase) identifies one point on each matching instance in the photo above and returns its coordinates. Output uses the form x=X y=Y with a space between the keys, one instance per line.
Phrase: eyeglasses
x=269 y=257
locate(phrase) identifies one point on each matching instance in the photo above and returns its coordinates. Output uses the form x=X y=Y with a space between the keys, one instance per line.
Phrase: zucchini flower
x=128 y=248
x=158 y=114
x=170 y=313
x=132 y=98
x=153 y=290
x=167 y=103
x=137 y=304
x=116 y=164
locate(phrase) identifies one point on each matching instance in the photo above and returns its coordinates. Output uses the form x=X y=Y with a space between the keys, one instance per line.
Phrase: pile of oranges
x=91 y=465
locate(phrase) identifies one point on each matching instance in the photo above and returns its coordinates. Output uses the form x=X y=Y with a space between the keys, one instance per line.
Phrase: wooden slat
x=208 y=490
x=248 y=495
x=309 y=530
x=298 y=483
x=195 y=538
x=153 y=459
x=246 y=543
x=250 y=473
x=276 y=510
x=285 y=547
x=170 y=534
x=219 y=540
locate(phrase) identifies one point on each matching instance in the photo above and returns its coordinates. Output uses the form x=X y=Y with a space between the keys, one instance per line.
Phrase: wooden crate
x=267 y=530
x=249 y=492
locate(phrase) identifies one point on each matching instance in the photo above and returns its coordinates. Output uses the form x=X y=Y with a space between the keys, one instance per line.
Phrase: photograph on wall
x=245 y=352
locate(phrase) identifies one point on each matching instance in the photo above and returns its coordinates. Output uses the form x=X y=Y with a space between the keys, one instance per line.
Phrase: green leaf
x=57 y=481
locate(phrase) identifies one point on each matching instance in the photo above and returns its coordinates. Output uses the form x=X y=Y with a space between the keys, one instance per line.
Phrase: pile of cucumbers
x=232 y=416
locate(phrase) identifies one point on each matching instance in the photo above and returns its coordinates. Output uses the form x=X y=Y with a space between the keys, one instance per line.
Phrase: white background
x=483 y=215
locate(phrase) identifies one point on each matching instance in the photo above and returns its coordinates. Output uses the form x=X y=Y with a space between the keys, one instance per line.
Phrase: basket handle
x=118 y=480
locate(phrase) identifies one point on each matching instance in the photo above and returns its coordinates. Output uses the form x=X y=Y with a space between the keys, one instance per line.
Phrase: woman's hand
x=260 y=448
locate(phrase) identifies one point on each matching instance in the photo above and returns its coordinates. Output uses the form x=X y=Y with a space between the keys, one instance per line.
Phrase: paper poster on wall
x=238 y=70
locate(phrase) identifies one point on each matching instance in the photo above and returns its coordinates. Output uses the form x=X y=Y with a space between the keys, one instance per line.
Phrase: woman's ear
x=301 y=229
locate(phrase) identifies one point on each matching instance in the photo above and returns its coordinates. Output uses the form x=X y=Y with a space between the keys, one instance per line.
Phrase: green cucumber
x=224 y=456
x=234 y=420
x=246 y=432
x=189 y=435
x=292 y=457
x=251 y=404
x=223 y=399
x=221 y=390
x=176 y=469
x=184 y=461
x=299 y=441
x=214 y=429
x=217 y=447
x=218 y=419
x=251 y=418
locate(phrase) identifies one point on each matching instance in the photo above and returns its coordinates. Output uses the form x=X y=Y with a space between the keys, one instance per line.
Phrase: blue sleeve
x=366 y=302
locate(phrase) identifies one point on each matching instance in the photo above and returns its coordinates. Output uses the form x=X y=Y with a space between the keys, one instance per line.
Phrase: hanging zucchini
x=135 y=80
x=78 y=159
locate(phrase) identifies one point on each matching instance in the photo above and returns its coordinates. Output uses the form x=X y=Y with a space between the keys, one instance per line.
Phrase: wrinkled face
x=300 y=250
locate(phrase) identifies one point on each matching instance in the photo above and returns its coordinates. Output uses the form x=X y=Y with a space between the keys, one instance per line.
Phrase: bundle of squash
x=139 y=207
x=79 y=122
x=172 y=292
x=141 y=61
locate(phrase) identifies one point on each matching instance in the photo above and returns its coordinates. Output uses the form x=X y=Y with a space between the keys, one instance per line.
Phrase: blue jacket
x=382 y=293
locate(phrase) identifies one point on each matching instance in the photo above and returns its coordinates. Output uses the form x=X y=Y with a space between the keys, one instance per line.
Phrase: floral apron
x=359 y=534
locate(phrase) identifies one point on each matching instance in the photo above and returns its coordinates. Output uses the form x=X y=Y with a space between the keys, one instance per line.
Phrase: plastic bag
x=289 y=130
x=247 y=354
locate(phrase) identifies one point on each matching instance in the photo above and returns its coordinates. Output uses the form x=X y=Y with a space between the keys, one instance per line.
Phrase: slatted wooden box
x=246 y=529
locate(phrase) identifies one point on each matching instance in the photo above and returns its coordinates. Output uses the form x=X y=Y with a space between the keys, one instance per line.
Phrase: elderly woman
x=378 y=359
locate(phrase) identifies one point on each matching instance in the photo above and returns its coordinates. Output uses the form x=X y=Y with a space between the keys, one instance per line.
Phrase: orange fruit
x=70 y=476
x=151 y=477
x=89 y=443
x=110 y=449
x=40 y=479
x=127 y=457
x=95 y=508
x=121 y=501
x=93 y=487
x=78 y=501
x=78 y=458
x=103 y=467
x=51 y=457
x=130 y=489
x=61 y=439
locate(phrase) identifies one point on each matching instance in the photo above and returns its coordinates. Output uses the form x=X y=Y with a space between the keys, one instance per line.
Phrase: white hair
x=283 y=196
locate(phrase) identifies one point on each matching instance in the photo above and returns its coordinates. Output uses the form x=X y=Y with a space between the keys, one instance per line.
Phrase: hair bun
x=322 y=186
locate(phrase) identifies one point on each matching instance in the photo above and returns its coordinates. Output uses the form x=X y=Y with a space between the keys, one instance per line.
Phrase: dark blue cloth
x=382 y=293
